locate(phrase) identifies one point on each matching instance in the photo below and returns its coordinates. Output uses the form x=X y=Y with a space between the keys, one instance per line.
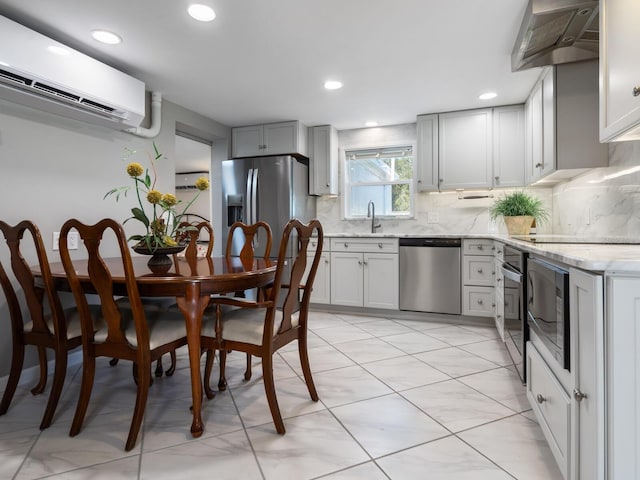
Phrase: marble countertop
x=592 y=257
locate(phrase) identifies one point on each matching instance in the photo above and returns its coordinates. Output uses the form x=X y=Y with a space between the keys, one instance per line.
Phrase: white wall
x=53 y=168
x=453 y=215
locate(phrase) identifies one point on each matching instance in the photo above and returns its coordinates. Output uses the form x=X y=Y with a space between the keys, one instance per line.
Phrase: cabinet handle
x=419 y=181
x=498 y=279
x=480 y=302
x=326 y=261
x=499 y=252
x=379 y=245
x=540 y=399
x=578 y=395
x=327 y=185
x=497 y=179
x=359 y=262
x=441 y=180
x=479 y=270
x=506 y=304
x=479 y=247
x=346 y=245
x=365 y=263
x=636 y=91
x=538 y=165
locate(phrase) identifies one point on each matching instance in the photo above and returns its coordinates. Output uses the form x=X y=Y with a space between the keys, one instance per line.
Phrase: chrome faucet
x=371 y=212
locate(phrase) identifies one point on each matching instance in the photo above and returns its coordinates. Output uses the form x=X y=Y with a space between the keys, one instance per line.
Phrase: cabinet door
x=548 y=122
x=619 y=70
x=381 y=281
x=508 y=146
x=321 y=292
x=280 y=138
x=427 y=152
x=323 y=174
x=534 y=166
x=623 y=377
x=499 y=296
x=465 y=149
x=587 y=358
x=247 y=141
x=346 y=279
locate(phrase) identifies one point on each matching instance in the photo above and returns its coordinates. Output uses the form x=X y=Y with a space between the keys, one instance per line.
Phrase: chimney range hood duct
x=556 y=31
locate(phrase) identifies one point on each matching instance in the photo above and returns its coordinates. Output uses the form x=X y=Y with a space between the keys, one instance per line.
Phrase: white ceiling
x=266 y=60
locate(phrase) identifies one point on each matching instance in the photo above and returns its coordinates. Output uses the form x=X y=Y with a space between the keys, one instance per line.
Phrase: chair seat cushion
x=164 y=327
x=72 y=318
x=246 y=325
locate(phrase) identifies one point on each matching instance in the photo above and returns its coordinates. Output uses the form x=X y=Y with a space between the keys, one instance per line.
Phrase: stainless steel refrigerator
x=268 y=189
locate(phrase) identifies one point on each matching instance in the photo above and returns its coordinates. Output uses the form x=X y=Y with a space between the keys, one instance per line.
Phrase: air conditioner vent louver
x=14 y=78
x=56 y=92
x=75 y=86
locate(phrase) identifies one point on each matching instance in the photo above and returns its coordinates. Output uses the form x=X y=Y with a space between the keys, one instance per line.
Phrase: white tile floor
x=399 y=399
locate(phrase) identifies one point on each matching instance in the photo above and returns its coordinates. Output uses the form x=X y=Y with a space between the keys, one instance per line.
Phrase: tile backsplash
x=602 y=201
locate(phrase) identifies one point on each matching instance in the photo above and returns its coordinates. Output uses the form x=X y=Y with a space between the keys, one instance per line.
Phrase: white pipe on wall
x=156 y=119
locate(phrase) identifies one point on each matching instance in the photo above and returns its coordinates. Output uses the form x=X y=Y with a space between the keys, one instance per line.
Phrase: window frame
x=346 y=185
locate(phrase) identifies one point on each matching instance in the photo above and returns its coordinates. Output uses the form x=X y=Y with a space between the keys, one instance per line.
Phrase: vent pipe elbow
x=156 y=119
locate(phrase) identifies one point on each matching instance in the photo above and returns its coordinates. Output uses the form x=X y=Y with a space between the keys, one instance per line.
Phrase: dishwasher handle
x=430 y=242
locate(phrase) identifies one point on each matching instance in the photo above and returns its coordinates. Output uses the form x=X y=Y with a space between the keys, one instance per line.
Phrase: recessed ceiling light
x=488 y=96
x=105 y=36
x=58 y=50
x=371 y=124
x=203 y=13
x=332 y=84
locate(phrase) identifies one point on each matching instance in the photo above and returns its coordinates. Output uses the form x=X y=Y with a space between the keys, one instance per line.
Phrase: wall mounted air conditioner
x=71 y=84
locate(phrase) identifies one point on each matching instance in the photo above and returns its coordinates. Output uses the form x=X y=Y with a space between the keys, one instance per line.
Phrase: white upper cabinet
x=508 y=146
x=427 y=152
x=323 y=149
x=465 y=149
x=562 y=123
x=281 y=138
x=619 y=70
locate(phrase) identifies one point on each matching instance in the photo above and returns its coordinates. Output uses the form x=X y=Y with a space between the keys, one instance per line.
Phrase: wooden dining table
x=191 y=283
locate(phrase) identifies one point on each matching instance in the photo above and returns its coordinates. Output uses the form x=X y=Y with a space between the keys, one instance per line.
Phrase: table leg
x=193 y=305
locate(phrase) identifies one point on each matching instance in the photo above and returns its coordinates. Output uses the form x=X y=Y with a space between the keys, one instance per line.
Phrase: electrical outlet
x=433 y=217
x=72 y=240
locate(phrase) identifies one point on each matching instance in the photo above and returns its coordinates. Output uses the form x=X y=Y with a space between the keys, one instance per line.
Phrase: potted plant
x=518 y=210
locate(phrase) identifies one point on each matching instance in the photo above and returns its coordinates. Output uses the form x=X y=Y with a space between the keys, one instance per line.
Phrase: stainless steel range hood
x=556 y=31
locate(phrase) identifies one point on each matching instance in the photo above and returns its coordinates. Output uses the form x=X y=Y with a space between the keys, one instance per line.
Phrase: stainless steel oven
x=516 y=332
x=548 y=307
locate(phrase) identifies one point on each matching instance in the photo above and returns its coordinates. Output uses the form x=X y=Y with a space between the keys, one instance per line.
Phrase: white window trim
x=343 y=180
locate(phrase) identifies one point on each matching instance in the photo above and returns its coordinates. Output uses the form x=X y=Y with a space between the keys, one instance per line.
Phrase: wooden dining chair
x=190 y=233
x=57 y=329
x=261 y=327
x=133 y=333
x=248 y=234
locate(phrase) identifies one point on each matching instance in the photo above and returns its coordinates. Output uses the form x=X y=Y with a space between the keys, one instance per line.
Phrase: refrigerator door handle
x=254 y=206
x=248 y=215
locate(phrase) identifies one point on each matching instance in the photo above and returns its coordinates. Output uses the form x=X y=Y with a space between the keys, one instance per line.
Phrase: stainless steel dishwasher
x=430 y=275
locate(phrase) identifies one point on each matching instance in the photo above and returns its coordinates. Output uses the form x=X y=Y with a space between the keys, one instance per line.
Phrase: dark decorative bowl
x=160 y=262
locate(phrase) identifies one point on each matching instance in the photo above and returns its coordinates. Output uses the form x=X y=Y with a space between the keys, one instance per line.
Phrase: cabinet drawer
x=551 y=405
x=477 y=246
x=478 y=301
x=313 y=245
x=477 y=270
x=365 y=245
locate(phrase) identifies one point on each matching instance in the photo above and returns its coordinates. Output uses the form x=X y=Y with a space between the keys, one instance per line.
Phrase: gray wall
x=53 y=168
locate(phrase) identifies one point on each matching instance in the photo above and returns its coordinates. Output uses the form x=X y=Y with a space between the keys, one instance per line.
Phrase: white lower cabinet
x=478 y=278
x=622 y=386
x=570 y=404
x=321 y=292
x=551 y=405
x=364 y=272
x=499 y=297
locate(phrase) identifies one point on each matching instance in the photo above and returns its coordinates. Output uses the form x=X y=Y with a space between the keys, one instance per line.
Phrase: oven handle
x=511 y=273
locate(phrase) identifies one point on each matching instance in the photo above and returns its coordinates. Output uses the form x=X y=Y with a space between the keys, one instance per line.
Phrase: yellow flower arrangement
x=162 y=227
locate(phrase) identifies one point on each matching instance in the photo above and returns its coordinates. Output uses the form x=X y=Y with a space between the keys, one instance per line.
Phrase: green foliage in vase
x=516 y=204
